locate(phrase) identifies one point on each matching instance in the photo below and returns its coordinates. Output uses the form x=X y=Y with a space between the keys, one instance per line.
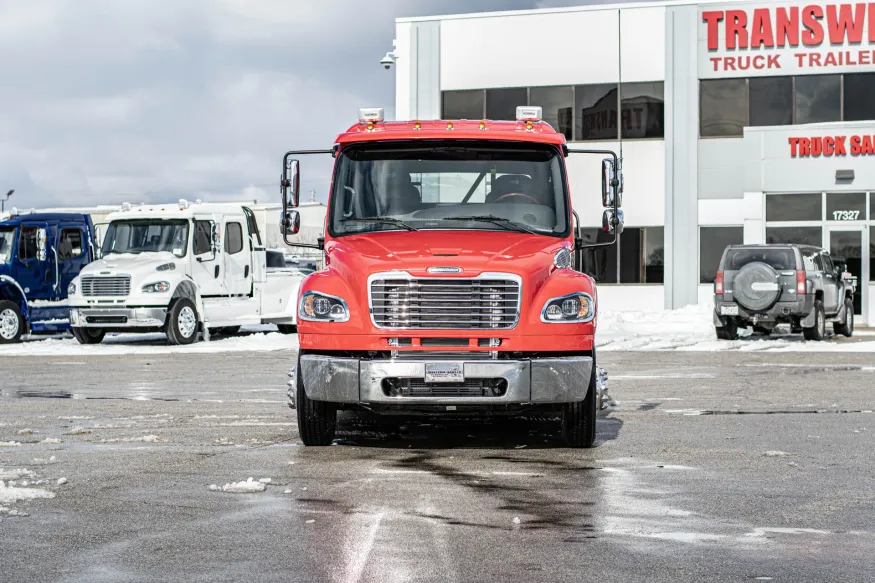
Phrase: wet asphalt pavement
x=712 y=467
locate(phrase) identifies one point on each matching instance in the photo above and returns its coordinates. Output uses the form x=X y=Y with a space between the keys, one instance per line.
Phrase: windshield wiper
x=389 y=220
x=500 y=221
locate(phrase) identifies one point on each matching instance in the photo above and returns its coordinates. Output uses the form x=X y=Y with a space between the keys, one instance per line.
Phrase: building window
x=654 y=264
x=846 y=206
x=462 y=104
x=872 y=206
x=859 y=90
x=27 y=245
x=771 y=101
x=501 y=104
x=643 y=110
x=69 y=244
x=818 y=98
x=595 y=108
x=794 y=207
x=600 y=263
x=641 y=255
x=233 y=238
x=712 y=242
x=723 y=107
x=872 y=253
x=557 y=104
x=795 y=235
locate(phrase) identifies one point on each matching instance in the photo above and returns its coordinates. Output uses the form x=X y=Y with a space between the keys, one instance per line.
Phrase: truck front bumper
x=360 y=381
x=151 y=317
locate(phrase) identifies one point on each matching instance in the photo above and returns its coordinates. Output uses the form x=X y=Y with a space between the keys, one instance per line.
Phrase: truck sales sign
x=787 y=38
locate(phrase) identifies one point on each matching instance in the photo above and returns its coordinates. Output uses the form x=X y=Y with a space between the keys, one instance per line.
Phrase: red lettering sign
x=843 y=24
x=831 y=146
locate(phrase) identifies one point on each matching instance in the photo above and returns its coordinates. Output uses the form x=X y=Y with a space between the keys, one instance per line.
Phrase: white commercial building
x=738 y=122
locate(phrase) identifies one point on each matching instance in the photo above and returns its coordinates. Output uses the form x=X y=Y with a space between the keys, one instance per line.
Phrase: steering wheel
x=503 y=196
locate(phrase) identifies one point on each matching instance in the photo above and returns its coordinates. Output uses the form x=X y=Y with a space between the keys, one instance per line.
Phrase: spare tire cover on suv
x=756 y=286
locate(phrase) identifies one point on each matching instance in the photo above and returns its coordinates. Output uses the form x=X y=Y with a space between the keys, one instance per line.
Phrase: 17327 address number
x=845 y=215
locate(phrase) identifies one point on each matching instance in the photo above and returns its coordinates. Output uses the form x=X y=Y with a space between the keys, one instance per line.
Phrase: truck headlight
x=319 y=307
x=71 y=289
x=156 y=288
x=573 y=308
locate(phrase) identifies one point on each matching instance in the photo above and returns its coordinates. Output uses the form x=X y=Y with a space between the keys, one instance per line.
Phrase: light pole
x=3 y=202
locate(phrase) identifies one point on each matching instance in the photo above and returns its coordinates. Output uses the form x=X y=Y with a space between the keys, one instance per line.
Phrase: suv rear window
x=778 y=259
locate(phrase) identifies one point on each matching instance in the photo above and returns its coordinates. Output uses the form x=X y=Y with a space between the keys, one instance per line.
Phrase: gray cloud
x=104 y=101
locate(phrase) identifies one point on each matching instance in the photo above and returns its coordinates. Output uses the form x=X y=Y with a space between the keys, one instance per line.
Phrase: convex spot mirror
x=41 y=244
x=612 y=184
x=612 y=223
x=215 y=238
x=291 y=182
x=291 y=222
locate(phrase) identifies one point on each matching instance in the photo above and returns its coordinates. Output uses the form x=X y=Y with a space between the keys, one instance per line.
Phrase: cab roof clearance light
x=529 y=113
x=183 y=204
x=370 y=116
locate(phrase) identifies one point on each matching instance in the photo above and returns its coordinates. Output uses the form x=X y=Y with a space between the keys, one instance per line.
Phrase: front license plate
x=729 y=310
x=444 y=372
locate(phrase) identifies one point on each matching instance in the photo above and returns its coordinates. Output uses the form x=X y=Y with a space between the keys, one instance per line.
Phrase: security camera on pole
x=389 y=58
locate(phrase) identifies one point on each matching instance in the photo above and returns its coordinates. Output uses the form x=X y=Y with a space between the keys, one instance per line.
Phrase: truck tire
x=88 y=335
x=727 y=332
x=317 y=420
x=818 y=331
x=11 y=323
x=846 y=328
x=287 y=328
x=182 y=322
x=579 y=419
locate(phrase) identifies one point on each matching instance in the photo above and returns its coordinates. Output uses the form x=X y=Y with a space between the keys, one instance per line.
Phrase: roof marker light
x=417 y=125
x=126 y=206
x=371 y=115
x=449 y=125
x=483 y=125
x=528 y=113
x=183 y=204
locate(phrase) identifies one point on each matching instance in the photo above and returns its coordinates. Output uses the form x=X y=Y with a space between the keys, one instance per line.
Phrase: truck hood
x=129 y=262
x=355 y=257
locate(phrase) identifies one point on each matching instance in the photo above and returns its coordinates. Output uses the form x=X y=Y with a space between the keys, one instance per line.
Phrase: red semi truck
x=449 y=284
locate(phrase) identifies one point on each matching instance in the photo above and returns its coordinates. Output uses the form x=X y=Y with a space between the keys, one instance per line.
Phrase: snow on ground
x=692 y=328
x=11 y=494
x=258 y=340
x=248 y=486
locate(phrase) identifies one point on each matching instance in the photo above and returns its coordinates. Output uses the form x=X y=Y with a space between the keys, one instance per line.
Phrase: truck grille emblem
x=445 y=270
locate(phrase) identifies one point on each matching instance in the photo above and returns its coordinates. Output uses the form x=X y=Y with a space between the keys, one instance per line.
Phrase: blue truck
x=40 y=254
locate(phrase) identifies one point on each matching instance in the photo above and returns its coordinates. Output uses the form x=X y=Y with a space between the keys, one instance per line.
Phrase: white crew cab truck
x=182 y=269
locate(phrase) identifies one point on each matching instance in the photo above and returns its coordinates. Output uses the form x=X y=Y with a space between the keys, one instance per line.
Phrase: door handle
x=246 y=271
x=216 y=272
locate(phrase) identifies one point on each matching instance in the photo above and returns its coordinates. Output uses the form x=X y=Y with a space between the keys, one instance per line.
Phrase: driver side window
x=201 y=241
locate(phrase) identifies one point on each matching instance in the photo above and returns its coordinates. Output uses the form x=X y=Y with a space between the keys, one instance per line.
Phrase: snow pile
x=10 y=494
x=141 y=439
x=122 y=344
x=692 y=328
x=9 y=444
x=51 y=440
x=15 y=474
x=249 y=486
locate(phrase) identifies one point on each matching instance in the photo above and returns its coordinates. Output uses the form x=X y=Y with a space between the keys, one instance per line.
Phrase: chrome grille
x=106 y=286
x=490 y=303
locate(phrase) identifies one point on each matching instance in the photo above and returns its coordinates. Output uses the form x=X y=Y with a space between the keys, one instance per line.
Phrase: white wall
x=404 y=71
x=643 y=44
x=644 y=182
x=871 y=311
x=622 y=298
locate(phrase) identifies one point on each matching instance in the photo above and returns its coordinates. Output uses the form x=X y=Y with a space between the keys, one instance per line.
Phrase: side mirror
x=41 y=244
x=612 y=223
x=291 y=222
x=291 y=183
x=612 y=184
x=215 y=240
x=98 y=242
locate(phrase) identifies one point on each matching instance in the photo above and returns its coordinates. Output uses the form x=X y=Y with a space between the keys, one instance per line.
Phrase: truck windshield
x=449 y=185
x=146 y=236
x=7 y=237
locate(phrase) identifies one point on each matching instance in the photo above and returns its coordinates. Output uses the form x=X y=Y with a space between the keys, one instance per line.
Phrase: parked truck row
x=186 y=269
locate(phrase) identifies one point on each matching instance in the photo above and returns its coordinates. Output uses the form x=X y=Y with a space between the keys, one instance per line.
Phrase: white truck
x=183 y=269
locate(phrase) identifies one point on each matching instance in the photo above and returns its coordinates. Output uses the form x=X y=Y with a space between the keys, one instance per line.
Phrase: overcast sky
x=105 y=101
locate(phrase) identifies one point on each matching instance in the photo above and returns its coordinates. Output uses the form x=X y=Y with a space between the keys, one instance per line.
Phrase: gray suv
x=766 y=285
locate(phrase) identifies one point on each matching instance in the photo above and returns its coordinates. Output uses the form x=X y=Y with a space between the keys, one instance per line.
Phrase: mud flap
x=810 y=320
x=719 y=321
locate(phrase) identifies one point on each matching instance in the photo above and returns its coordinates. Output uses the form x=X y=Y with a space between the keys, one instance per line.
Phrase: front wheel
x=317 y=420
x=579 y=419
x=287 y=328
x=818 y=331
x=846 y=328
x=11 y=323
x=182 y=322
x=88 y=335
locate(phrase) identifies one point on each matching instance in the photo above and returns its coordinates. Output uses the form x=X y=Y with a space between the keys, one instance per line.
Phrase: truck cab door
x=207 y=257
x=73 y=254
x=238 y=257
x=35 y=270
